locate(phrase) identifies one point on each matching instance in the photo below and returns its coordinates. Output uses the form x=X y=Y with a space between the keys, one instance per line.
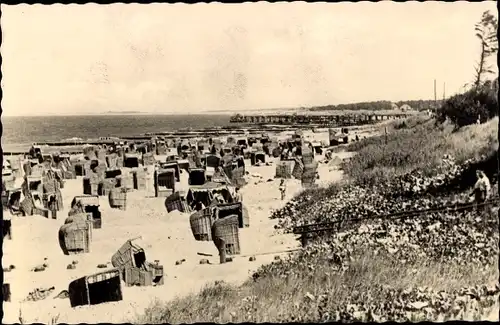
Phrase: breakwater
x=76 y=145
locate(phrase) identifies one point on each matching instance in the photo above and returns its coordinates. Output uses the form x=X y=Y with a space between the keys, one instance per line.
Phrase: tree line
x=379 y=105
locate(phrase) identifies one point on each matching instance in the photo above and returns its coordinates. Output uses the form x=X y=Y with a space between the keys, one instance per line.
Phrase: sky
x=178 y=58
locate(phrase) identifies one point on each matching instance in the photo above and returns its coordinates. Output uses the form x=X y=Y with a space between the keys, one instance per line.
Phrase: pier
x=315 y=119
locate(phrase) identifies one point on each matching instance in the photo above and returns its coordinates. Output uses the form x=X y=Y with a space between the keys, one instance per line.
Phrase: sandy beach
x=166 y=237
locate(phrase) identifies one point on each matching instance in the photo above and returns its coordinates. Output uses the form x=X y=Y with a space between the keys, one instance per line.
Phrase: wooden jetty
x=315 y=119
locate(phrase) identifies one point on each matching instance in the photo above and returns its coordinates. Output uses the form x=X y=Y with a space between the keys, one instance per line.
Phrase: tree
x=479 y=101
x=486 y=32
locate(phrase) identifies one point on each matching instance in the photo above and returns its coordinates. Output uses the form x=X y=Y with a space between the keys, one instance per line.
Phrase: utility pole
x=444 y=91
x=385 y=141
x=435 y=97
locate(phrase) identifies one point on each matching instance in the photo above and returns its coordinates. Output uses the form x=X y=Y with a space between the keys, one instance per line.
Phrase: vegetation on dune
x=477 y=103
x=418 y=144
x=313 y=288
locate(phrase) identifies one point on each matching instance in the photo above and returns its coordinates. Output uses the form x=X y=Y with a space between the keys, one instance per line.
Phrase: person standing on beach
x=283 y=189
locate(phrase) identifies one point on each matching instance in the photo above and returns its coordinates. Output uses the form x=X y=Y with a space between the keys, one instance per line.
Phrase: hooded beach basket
x=76 y=235
x=309 y=174
x=91 y=184
x=284 y=169
x=26 y=206
x=201 y=224
x=176 y=201
x=140 y=179
x=96 y=289
x=106 y=185
x=118 y=198
x=197 y=176
x=227 y=230
x=148 y=159
x=164 y=182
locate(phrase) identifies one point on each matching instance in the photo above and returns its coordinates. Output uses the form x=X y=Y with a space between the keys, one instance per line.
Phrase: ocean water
x=20 y=132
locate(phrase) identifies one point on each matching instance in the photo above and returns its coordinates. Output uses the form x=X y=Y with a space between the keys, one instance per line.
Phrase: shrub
x=464 y=109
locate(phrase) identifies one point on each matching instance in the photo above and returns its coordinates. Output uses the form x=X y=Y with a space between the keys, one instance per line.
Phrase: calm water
x=19 y=132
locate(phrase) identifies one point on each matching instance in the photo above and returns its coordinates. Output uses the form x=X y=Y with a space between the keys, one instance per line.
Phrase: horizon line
x=213 y=112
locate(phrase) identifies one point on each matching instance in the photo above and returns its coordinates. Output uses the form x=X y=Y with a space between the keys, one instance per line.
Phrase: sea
x=20 y=132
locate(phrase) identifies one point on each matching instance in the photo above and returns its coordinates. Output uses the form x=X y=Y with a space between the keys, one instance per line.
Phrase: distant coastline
x=352 y=108
x=121 y=112
x=139 y=113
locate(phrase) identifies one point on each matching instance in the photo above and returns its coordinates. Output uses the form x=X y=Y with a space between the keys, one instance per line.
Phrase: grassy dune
x=276 y=298
x=306 y=289
x=418 y=144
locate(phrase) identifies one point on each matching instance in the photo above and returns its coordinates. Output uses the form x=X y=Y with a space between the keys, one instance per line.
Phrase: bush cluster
x=465 y=109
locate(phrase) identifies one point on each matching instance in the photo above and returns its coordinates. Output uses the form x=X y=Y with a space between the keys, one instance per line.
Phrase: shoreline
x=185 y=133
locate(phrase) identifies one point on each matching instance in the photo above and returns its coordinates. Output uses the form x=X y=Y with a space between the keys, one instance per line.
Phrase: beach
x=166 y=237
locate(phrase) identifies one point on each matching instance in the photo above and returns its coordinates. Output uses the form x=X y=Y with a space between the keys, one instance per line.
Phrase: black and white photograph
x=250 y=162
